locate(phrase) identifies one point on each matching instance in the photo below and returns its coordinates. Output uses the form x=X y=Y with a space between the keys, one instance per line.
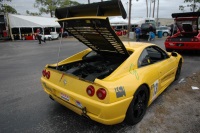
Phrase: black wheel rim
x=139 y=104
x=178 y=70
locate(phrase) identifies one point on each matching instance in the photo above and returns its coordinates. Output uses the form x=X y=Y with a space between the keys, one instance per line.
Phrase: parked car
x=52 y=36
x=188 y=35
x=110 y=81
x=145 y=29
x=165 y=30
x=118 y=32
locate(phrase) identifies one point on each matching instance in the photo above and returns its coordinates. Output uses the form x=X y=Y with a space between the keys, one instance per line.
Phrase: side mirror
x=174 y=54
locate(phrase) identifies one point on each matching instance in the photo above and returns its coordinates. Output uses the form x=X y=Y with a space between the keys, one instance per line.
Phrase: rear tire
x=178 y=71
x=138 y=106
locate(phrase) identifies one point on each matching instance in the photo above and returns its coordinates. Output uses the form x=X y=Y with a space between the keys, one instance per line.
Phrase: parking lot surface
x=25 y=107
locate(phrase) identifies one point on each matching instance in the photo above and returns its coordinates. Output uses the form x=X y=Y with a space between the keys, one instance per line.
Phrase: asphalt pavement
x=25 y=107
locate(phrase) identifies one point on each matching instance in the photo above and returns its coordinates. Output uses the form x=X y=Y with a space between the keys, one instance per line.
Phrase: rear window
x=145 y=26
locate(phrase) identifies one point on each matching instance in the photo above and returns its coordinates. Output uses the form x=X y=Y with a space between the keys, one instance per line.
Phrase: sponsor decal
x=133 y=72
x=64 y=97
x=79 y=104
x=120 y=91
x=171 y=44
x=65 y=81
x=155 y=88
x=61 y=76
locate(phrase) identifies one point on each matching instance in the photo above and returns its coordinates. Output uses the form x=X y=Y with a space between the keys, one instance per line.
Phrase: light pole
x=154 y=2
x=194 y=5
x=150 y=9
x=88 y=1
x=157 y=13
x=129 y=18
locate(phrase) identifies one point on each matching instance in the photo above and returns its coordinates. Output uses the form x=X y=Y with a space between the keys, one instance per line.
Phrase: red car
x=118 y=32
x=187 y=36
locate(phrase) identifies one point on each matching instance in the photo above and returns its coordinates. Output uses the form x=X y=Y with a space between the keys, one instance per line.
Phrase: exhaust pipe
x=51 y=97
x=84 y=113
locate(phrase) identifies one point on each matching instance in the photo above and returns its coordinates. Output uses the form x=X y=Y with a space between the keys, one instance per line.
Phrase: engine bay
x=92 y=66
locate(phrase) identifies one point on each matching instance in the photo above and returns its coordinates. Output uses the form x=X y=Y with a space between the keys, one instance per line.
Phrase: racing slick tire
x=178 y=71
x=138 y=106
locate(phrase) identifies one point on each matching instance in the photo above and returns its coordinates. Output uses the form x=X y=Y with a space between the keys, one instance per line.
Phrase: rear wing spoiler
x=106 y=8
x=186 y=14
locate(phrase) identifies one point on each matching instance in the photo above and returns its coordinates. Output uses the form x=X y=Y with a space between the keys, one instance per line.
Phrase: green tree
x=192 y=4
x=49 y=6
x=7 y=8
x=33 y=13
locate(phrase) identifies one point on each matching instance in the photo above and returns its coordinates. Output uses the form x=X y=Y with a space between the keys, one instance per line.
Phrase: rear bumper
x=183 y=45
x=108 y=114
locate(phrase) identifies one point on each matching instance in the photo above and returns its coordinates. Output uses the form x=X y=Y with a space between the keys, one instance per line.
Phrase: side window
x=156 y=54
x=151 y=55
x=143 y=59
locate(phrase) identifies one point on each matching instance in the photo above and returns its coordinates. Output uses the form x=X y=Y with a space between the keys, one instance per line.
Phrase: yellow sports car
x=111 y=81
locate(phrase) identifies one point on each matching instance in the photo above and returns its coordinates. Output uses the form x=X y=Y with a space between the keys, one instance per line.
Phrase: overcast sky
x=166 y=8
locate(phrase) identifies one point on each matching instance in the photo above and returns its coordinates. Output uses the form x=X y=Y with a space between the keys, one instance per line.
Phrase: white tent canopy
x=17 y=21
x=118 y=20
x=121 y=21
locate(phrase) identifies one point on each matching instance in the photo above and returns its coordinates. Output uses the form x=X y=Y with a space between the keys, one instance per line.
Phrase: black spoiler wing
x=106 y=8
x=186 y=14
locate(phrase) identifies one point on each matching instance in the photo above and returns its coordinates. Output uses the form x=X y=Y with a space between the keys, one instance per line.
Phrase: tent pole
x=43 y=30
x=33 y=34
x=10 y=27
x=32 y=31
x=20 y=35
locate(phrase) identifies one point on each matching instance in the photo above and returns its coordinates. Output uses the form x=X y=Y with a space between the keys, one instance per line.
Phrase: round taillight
x=48 y=74
x=90 y=90
x=101 y=93
x=44 y=73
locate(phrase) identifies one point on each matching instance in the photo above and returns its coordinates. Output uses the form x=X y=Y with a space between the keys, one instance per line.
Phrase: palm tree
x=147 y=7
x=154 y=2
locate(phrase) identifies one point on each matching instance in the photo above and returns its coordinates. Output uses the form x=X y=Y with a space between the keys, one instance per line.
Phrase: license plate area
x=180 y=44
x=65 y=97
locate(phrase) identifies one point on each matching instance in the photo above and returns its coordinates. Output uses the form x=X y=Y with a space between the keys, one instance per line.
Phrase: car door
x=151 y=74
x=165 y=67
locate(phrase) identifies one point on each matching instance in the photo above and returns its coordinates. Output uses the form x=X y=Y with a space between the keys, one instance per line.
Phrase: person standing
x=150 y=32
x=137 y=33
x=39 y=36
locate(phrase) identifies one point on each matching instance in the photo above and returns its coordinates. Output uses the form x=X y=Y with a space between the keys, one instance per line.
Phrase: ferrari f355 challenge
x=111 y=81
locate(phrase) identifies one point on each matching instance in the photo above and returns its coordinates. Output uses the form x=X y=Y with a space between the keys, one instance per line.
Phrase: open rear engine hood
x=96 y=33
x=90 y=25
